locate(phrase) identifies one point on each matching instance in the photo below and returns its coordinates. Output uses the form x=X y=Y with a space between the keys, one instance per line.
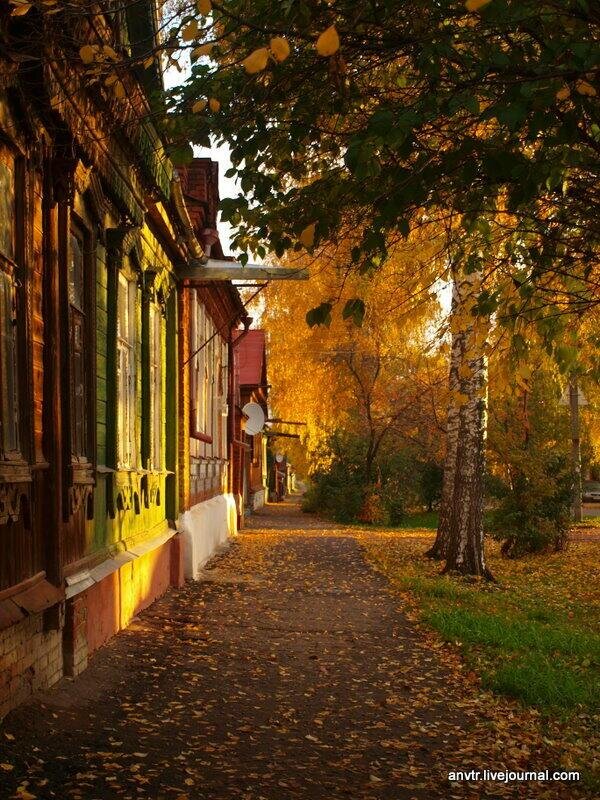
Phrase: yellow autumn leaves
x=256 y=61
x=307 y=237
x=278 y=50
x=202 y=103
x=327 y=44
x=475 y=5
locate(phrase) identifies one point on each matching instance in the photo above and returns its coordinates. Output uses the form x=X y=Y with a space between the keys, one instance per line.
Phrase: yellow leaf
x=256 y=61
x=307 y=237
x=204 y=6
x=199 y=106
x=87 y=53
x=119 y=90
x=563 y=93
x=280 y=48
x=112 y=79
x=214 y=104
x=464 y=371
x=202 y=50
x=190 y=32
x=524 y=371
x=585 y=88
x=20 y=9
x=475 y=5
x=109 y=52
x=7 y=767
x=328 y=42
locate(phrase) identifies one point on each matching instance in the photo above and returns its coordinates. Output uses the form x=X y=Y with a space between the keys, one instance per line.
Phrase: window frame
x=156 y=386
x=127 y=343
x=11 y=265
x=80 y=230
x=199 y=370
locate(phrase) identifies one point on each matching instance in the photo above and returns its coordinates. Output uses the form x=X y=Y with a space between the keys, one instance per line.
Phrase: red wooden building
x=251 y=463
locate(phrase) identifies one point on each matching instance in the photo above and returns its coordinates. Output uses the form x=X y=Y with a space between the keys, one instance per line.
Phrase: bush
x=339 y=500
x=373 y=510
x=430 y=484
x=398 y=481
x=534 y=511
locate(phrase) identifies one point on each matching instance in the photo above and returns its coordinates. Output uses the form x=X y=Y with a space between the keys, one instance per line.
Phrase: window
x=9 y=399
x=126 y=373
x=155 y=375
x=199 y=371
x=208 y=380
x=9 y=411
x=77 y=340
x=7 y=205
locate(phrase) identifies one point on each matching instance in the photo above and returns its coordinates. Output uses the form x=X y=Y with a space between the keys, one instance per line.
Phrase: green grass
x=420 y=519
x=543 y=684
x=533 y=635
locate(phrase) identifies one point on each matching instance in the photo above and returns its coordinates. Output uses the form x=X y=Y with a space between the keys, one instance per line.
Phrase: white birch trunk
x=439 y=550
x=461 y=515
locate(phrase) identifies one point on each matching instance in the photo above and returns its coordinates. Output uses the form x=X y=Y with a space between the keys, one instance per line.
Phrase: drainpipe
x=231 y=391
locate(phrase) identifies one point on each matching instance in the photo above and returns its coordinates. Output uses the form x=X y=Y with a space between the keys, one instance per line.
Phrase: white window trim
x=126 y=373
x=156 y=386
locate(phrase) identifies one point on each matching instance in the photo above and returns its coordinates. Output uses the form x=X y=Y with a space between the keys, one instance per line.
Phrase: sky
x=227 y=186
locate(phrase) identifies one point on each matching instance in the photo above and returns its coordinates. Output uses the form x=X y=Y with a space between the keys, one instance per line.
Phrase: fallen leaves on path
x=294 y=673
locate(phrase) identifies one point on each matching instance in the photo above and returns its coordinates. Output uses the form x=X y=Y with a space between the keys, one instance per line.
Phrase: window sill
x=201 y=437
x=15 y=472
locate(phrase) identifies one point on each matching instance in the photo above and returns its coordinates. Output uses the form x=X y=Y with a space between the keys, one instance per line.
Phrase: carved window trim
x=13 y=318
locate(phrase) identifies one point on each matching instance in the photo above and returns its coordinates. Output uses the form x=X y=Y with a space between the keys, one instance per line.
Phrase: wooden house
x=124 y=463
x=251 y=464
x=209 y=316
x=108 y=430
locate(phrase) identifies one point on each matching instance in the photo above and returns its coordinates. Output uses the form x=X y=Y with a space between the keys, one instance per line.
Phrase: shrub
x=534 y=510
x=373 y=510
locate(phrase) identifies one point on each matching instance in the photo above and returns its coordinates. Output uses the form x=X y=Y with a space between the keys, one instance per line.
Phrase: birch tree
x=460 y=534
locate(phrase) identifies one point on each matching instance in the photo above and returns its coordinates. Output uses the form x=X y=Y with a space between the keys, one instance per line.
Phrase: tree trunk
x=460 y=532
x=465 y=548
x=439 y=550
x=575 y=449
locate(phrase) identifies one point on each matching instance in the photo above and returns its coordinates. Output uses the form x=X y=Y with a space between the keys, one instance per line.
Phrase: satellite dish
x=256 y=418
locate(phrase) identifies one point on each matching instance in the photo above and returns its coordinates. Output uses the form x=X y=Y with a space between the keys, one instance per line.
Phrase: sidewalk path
x=290 y=672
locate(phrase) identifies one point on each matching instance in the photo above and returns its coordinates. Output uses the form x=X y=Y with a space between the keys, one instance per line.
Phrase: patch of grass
x=588 y=522
x=506 y=634
x=533 y=636
x=420 y=519
x=540 y=619
x=544 y=684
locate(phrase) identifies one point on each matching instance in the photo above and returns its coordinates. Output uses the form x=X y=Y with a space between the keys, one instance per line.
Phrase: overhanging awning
x=214 y=269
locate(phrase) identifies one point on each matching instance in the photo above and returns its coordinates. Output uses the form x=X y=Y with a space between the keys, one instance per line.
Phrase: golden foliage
x=280 y=48
x=317 y=373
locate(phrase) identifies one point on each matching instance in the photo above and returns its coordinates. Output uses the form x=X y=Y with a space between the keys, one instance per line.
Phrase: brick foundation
x=33 y=658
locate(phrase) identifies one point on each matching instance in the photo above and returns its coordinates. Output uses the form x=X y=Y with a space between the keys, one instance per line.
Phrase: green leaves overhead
x=321 y=315
x=487 y=111
x=354 y=310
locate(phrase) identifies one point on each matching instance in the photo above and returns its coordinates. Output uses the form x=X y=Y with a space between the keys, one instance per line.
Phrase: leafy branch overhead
x=380 y=116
